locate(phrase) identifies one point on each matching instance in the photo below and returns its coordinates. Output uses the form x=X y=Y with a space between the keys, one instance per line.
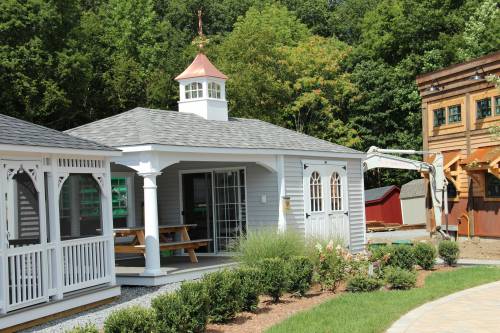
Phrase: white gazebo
x=56 y=241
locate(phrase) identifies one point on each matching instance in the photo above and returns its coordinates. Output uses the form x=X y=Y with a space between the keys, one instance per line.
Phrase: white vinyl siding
x=294 y=189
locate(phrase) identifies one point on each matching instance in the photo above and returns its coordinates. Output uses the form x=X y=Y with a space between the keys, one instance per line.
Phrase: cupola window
x=214 y=90
x=194 y=90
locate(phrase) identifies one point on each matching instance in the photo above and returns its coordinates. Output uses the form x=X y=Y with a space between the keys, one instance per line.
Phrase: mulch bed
x=269 y=313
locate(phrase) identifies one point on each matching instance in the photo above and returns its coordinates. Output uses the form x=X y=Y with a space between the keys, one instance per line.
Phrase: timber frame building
x=459 y=110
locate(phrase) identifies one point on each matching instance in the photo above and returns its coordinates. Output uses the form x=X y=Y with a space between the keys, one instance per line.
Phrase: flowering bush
x=332 y=265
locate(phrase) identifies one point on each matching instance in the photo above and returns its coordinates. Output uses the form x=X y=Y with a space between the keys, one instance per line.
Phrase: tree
x=319 y=91
x=249 y=54
x=482 y=31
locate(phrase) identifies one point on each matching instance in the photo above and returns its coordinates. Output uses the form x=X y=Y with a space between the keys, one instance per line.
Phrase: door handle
x=346 y=213
x=307 y=215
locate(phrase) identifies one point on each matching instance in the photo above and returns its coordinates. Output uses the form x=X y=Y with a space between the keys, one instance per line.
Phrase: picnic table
x=138 y=244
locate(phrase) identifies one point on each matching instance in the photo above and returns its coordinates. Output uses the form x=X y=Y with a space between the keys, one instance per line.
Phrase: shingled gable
x=141 y=126
x=17 y=132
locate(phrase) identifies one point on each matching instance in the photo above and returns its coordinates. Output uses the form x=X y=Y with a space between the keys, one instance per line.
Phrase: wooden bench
x=138 y=244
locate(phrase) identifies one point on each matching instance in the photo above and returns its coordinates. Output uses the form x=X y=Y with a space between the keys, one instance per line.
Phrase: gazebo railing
x=25 y=270
x=85 y=262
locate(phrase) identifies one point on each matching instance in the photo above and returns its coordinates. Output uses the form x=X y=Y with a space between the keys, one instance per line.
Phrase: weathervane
x=201 y=40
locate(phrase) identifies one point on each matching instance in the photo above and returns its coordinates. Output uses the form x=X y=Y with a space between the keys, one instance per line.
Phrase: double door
x=325 y=201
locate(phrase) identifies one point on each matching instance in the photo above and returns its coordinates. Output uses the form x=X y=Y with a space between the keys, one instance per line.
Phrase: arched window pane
x=80 y=207
x=336 y=192
x=214 y=90
x=316 y=192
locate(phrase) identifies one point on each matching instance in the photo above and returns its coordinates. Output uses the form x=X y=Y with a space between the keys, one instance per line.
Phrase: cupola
x=203 y=90
x=202 y=86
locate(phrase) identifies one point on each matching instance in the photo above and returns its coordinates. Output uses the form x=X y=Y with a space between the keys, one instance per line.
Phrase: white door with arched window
x=325 y=200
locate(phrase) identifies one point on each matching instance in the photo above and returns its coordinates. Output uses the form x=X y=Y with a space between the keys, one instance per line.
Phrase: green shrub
x=425 y=255
x=401 y=256
x=250 y=287
x=300 y=272
x=332 y=266
x=185 y=310
x=381 y=254
x=449 y=252
x=363 y=283
x=274 y=279
x=223 y=291
x=87 y=328
x=263 y=244
x=135 y=319
x=399 y=278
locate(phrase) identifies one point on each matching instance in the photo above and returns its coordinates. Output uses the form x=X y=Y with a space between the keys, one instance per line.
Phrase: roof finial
x=201 y=40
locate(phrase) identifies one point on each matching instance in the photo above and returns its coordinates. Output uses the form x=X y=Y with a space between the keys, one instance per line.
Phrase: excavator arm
x=387 y=158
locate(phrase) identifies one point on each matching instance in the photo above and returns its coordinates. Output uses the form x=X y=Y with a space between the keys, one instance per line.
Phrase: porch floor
x=174 y=269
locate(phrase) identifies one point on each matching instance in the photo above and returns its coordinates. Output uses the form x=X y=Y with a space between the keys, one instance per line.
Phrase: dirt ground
x=477 y=248
x=269 y=314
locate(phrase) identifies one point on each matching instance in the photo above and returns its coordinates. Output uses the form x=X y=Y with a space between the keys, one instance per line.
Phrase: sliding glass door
x=215 y=200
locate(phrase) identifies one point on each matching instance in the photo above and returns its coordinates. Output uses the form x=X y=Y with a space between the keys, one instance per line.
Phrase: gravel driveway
x=129 y=296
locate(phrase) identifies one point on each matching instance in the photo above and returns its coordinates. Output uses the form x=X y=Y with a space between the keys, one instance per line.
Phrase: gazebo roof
x=18 y=132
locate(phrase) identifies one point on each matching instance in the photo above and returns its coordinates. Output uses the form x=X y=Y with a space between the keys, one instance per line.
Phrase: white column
x=55 y=229
x=4 y=276
x=280 y=163
x=151 y=224
x=107 y=223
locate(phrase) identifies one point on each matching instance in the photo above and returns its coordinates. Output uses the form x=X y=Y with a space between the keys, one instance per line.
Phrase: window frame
x=436 y=118
x=336 y=186
x=496 y=100
x=480 y=114
x=214 y=90
x=487 y=178
x=316 y=192
x=193 y=88
x=457 y=118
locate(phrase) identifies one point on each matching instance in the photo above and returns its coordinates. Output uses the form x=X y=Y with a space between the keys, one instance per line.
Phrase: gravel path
x=129 y=296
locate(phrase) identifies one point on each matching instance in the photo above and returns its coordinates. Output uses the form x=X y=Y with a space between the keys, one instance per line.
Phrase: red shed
x=382 y=205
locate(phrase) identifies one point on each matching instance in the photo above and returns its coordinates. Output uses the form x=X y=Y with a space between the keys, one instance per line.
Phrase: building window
x=194 y=90
x=492 y=186
x=451 y=190
x=214 y=90
x=316 y=192
x=336 y=192
x=454 y=114
x=483 y=108
x=439 y=117
x=497 y=105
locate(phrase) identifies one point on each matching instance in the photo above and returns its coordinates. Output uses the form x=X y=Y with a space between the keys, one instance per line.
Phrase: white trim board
x=237 y=151
x=56 y=150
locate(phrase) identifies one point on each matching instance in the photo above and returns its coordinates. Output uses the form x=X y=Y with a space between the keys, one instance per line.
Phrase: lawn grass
x=376 y=311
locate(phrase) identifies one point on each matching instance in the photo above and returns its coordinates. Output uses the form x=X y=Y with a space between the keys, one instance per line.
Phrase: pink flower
x=329 y=246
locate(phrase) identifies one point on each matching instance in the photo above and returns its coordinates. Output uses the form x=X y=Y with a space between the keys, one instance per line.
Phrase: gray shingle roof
x=413 y=189
x=377 y=193
x=149 y=126
x=14 y=131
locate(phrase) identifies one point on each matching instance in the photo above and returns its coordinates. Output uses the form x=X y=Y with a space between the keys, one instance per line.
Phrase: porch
x=130 y=271
x=218 y=200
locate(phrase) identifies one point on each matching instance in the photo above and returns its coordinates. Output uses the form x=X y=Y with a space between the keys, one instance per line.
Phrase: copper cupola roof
x=201 y=67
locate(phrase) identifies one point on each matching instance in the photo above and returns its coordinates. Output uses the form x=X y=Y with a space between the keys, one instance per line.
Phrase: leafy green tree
x=249 y=54
x=482 y=31
x=318 y=89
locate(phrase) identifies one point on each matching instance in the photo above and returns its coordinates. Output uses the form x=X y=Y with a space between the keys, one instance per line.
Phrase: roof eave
x=58 y=150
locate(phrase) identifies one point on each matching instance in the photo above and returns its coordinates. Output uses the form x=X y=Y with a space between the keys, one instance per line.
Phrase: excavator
x=390 y=158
